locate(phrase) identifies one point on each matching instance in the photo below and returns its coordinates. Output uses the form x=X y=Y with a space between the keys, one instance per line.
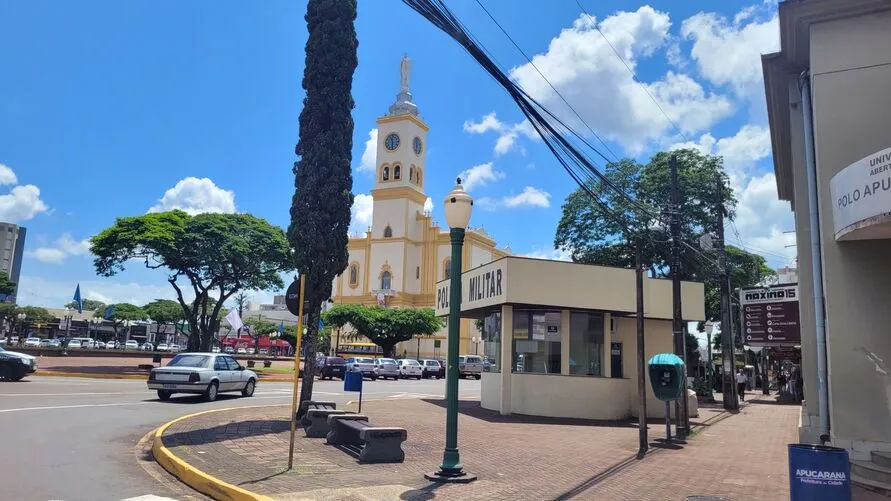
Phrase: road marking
x=56 y=407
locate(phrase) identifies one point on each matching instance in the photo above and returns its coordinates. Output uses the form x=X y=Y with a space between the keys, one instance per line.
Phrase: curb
x=193 y=477
x=92 y=375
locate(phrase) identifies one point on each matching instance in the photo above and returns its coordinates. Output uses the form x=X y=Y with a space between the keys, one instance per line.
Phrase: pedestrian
x=781 y=383
x=741 y=384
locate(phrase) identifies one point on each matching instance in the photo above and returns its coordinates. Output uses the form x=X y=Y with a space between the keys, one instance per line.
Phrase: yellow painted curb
x=195 y=478
x=92 y=375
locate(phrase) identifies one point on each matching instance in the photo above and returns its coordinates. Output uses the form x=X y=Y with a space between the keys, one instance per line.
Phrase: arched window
x=388 y=232
x=419 y=177
x=385 y=280
x=447 y=269
x=411 y=173
x=354 y=275
x=386 y=176
x=397 y=172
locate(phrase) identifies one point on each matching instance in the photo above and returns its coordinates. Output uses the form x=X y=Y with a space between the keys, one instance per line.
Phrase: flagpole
x=296 y=373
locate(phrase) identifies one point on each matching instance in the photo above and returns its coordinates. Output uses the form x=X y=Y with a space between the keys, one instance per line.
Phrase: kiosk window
x=586 y=344
x=536 y=343
x=492 y=340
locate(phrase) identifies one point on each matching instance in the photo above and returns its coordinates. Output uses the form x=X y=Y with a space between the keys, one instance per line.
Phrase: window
x=411 y=173
x=397 y=172
x=492 y=339
x=388 y=232
x=419 y=176
x=586 y=344
x=447 y=269
x=385 y=280
x=232 y=363
x=418 y=272
x=386 y=176
x=536 y=343
x=354 y=275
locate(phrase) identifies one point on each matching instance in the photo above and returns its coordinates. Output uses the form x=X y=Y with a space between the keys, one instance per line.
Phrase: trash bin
x=352 y=381
x=819 y=473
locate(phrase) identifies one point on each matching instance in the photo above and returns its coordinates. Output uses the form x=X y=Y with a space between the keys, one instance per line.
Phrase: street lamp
x=68 y=316
x=21 y=316
x=458 y=207
x=476 y=345
x=96 y=322
x=127 y=324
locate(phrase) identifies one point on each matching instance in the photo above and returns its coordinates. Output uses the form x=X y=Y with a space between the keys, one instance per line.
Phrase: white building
x=12 y=249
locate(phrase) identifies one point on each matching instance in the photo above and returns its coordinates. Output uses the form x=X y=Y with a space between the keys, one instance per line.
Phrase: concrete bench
x=376 y=444
x=306 y=405
x=315 y=422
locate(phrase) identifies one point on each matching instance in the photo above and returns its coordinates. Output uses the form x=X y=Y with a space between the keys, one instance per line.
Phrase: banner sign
x=861 y=194
x=770 y=316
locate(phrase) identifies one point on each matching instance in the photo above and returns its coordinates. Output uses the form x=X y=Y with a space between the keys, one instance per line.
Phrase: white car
x=74 y=344
x=215 y=349
x=365 y=365
x=242 y=351
x=131 y=345
x=162 y=347
x=32 y=342
x=175 y=348
x=46 y=343
x=100 y=345
x=409 y=368
x=147 y=347
x=207 y=374
x=112 y=345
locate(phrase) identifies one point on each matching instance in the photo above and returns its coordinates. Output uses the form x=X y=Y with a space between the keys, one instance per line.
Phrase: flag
x=234 y=320
x=321 y=324
x=78 y=300
x=108 y=312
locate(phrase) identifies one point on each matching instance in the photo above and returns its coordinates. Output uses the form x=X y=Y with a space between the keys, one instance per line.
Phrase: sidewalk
x=738 y=457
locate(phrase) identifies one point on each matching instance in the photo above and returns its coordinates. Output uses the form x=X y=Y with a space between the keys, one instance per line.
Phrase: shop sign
x=483 y=286
x=861 y=194
x=770 y=316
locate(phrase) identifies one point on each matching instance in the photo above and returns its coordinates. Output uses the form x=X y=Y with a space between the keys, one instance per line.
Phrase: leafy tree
x=7 y=317
x=7 y=287
x=320 y=208
x=89 y=304
x=165 y=312
x=693 y=355
x=384 y=327
x=122 y=312
x=746 y=270
x=259 y=327
x=36 y=314
x=214 y=255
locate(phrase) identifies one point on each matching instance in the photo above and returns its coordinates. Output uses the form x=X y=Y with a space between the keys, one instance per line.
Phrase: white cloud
x=361 y=213
x=529 y=197
x=728 y=53
x=98 y=296
x=489 y=122
x=196 y=196
x=741 y=151
x=48 y=255
x=7 y=176
x=582 y=66
x=761 y=219
x=64 y=247
x=40 y=291
x=21 y=204
x=552 y=254
x=480 y=175
x=73 y=247
x=428 y=206
x=507 y=133
x=369 y=156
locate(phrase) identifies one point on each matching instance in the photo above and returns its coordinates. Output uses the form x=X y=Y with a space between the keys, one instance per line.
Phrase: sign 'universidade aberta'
x=861 y=194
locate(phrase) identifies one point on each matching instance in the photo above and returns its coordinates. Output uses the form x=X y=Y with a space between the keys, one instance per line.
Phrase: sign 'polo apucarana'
x=861 y=195
x=482 y=286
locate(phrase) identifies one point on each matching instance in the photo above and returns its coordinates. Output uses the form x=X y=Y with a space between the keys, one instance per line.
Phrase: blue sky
x=111 y=109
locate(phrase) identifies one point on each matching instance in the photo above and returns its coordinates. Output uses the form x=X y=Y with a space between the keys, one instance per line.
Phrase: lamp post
x=458 y=207
x=21 y=316
x=709 y=374
x=127 y=324
x=476 y=345
x=96 y=322
x=68 y=317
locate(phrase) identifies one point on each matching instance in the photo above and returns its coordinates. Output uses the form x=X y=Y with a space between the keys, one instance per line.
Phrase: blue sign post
x=352 y=381
x=819 y=473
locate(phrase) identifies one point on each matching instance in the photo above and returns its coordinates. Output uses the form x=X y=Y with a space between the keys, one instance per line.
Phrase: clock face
x=416 y=145
x=392 y=142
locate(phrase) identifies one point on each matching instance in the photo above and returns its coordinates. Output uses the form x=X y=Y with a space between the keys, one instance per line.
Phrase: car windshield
x=411 y=362
x=388 y=361
x=432 y=362
x=364 y=360
x=1 y=349
x=189 y=361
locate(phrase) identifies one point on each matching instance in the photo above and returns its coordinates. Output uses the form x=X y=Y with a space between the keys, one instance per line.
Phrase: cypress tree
x=320 y=209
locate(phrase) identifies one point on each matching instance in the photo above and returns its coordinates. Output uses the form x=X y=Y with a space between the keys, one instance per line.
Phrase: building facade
x=828 y=100
x=12 y=250
x=404 y=253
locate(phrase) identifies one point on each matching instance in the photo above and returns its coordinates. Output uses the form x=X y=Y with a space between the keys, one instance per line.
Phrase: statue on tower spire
x=405 y=72
x=404 y=104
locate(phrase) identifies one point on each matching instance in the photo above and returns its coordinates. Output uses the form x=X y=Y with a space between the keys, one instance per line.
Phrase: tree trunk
x=310 y=341
x=389 y=350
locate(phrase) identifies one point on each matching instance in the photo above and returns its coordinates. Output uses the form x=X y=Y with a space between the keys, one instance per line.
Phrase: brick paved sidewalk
x=740 y=457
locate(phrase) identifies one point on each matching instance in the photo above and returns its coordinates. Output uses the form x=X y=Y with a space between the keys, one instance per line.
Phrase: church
x=404 y=253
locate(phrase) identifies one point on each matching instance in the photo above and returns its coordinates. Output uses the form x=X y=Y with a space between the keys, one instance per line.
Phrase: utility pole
x=727 y=377
x=641 y=356
x=677 y=324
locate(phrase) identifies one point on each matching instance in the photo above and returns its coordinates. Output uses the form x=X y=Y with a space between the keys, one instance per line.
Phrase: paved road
x=76 y=439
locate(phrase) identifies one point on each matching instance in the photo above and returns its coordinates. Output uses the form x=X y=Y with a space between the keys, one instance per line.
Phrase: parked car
x=73 y=344
x=162 y=347
x=15 y=366
x=207 y=374
x=242 y=351
x=364 y=365
x=87 y=343
x=230 y=350
x=112 y=345
x=147 y=347
x=175 y=348
x=432 y=368
x=32 y=342
x=215 y=349
x=99 y=345
x=470 y=366
x=409 y=368
x=487 y=365
x=330 y=367
x=131 y=345
x=386 y=368
x=46 y=343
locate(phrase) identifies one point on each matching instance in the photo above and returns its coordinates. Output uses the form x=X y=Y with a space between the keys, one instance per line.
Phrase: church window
x=419 y=177
x=354 y=275
x=388 y=232
x=385 y=280
x=447 y=269
x=386 y=176
x=411 y=173
x=397 y=172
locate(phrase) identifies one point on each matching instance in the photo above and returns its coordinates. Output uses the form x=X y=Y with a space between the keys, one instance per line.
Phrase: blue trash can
x=819 y=473
x=352 y=381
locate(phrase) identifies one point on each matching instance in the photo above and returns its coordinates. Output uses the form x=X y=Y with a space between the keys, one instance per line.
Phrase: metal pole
x=677 y=322
x=667 y=421
x=728 y=382
x=641 y=357
x=709 y=371
x=765 y=384
x=451 y=470
x=296 y=374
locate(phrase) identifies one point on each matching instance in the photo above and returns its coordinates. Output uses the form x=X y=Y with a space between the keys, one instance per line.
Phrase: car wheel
x=418 y=378
x=374 y=378
x=210 y=394
x=479 y=376
x=5 y=373
x=164 y=394
x=248 y=390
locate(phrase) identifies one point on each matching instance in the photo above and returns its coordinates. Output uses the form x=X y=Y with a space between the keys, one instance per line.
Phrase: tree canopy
x=88 y=304
x=320 y=207
x=7 y=287
x=384 y=327
x=35 y=314
x=211 y=256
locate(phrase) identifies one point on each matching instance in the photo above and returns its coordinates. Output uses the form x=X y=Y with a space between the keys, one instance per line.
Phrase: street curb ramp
x=193 y=477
